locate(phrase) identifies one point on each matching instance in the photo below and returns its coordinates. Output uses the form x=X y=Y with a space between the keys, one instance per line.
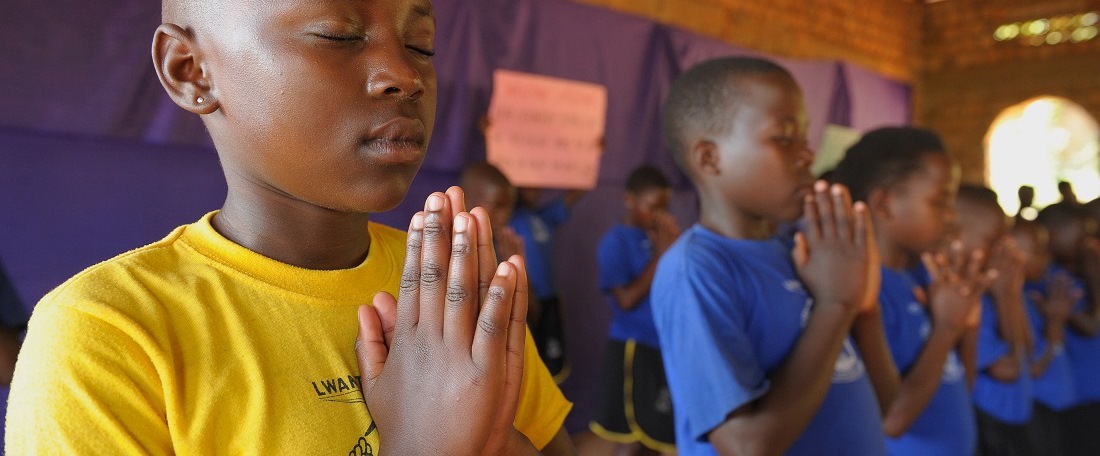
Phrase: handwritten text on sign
x=546 y=132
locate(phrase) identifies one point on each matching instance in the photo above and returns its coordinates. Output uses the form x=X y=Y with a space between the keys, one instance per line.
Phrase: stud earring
x=200 y=100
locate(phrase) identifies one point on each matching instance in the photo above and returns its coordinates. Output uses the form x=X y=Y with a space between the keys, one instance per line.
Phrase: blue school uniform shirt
x=536 y=227
x=729 y=312
x=946 y=426
x=624 y=252
x=1055 y=387
x=1009 y=402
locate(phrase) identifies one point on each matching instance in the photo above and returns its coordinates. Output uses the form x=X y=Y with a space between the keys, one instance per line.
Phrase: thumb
x=370 y=346
x=801 y=252
x=386 y=306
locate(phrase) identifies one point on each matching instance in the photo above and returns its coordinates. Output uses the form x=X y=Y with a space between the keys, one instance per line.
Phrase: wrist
x=518 y=445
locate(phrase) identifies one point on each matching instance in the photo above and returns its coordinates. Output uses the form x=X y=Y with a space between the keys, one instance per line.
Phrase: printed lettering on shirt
x=848 y=367
x=915 y=308
x=952 y=368
x=340 y=389
x=539 y=230
x=362 y=446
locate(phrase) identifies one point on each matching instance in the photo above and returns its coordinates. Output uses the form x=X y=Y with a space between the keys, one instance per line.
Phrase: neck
x=723 y=218
x=891 y=254
x=292 y=231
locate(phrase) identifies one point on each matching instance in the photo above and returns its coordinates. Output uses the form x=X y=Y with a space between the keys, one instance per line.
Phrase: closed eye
x=424 y=52
x=340 y=38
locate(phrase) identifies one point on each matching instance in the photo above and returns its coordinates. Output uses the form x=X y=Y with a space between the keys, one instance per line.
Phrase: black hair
x=1060 y=215
x=704 y=96
x=483 y=173
x=646 y=178
x=885 y=157
x=980 y=196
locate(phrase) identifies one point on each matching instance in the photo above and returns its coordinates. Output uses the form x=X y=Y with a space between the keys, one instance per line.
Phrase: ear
x=703 y=157
x=178 y=63
x=880 y=204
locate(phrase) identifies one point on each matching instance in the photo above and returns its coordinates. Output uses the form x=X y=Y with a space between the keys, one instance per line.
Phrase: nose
x=805 y=155
x=392 y=74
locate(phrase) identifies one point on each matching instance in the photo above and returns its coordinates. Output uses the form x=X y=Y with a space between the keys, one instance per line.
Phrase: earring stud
x=200 y=100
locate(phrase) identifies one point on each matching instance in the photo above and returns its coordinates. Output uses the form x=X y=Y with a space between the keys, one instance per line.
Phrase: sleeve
x=83 y=386
x=12 y=313
x=707 y=348
x=613 y=261
x=554 y=213
x=542 y=406
x=991 y=346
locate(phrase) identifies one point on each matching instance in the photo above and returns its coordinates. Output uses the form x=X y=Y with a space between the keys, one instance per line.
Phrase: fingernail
x=503 y=270
x=418 y=221
x=461 y=223
x=435 y=203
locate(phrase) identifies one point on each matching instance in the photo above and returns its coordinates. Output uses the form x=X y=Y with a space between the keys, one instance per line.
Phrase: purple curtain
x=96 y=160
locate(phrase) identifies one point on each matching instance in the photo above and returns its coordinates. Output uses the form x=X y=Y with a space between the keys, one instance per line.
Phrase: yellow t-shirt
x=196 y=345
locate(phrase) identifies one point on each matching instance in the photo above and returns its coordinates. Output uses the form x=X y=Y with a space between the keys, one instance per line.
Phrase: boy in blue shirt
x=535 y=223
x=633 y=371
x=1052 y=294
x=1003 y=390
x=909 y=183
x=754 y=331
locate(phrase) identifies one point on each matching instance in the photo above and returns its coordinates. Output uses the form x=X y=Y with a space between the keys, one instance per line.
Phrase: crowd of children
x=891 y=310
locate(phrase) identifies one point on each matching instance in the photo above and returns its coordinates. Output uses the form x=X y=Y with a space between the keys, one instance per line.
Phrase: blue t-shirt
x=946 y=426
x=536 y=227
x=1084 y=361
x=624 y=253
x=1009 y=402
x=1053 y=388
x=729 y=312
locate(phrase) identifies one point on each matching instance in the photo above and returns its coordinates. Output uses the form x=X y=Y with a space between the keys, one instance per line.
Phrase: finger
x=864 y=228
x=931 y=266
x=386 y=306
x=370 y=347
x=434 y=261
x=457 y=199
x=810 y=218
x=1037 y=298
x=408 y=312
x=800 y=253
x=486 y=252
x=825 y=210
x=842 y=209
x=974 y=265
x=956 y=258
x=986 y=280
x=517 y=338
x=491 y=337
x=462 y=293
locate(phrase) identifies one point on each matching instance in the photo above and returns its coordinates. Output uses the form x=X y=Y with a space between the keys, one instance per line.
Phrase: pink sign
x=546 y=132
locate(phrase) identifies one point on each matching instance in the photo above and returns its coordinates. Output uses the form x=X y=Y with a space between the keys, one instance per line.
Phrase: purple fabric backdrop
x=95 y=160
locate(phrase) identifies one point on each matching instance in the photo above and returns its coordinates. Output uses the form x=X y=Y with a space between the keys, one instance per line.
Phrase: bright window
x=1038 y=143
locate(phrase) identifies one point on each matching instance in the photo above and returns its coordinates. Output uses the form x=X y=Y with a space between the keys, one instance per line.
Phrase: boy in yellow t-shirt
x=235 y=334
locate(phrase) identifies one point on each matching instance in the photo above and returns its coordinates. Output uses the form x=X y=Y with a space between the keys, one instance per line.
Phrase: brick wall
x=881 y=35
x=968 y=77
x=962 y=77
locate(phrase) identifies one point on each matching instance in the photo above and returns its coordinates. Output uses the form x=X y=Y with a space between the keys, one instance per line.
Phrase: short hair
x=482 y=173
x=703 y=97
x=1059 y=215
x=980 y=196
x=885 y=157
x=646 y=178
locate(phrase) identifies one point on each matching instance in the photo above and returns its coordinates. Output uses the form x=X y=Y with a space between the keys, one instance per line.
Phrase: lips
x=399 y=141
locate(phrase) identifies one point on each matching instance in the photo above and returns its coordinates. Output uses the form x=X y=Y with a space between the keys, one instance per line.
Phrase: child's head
x=981 y=221
x=487 y=187
x=1069 y=229
x=330 y=104
x=908 y=182
x=1031 y=238
x=737 y=127
x=647 y=194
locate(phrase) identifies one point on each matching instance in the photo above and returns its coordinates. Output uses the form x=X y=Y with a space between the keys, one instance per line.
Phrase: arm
x=1086 y=323
x=968 y=355
x=560 y=445
x=628 y=296
x=921 y=382
x=870 y=336
x=772 y=423
x=1055 y=337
